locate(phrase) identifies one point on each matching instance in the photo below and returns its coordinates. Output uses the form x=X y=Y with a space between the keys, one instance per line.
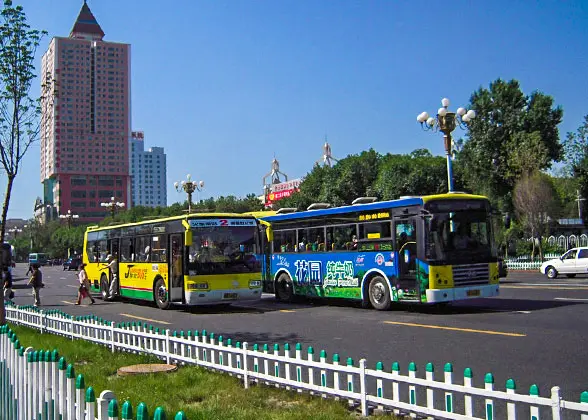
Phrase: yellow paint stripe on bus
x=440 y=327
x=146 y=319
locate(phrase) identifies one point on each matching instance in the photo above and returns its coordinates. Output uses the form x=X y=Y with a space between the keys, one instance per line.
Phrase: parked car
x=573 y=262
x=72 y=263
x=502 y=268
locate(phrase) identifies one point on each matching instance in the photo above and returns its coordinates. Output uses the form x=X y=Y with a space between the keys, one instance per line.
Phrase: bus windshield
x=222 y=250
x=459 y=237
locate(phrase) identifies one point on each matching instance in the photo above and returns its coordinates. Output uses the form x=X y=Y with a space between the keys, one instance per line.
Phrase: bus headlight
x=253 y=284
x=197 y=286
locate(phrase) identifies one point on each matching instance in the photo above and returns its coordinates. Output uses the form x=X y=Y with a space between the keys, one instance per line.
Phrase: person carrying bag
x=84 y=287
x=36 y=281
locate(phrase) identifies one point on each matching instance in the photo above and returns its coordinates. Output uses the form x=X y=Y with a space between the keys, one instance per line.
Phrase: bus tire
x=161 y=295
x=284 y=288
x=104 y=287
x=379 y=294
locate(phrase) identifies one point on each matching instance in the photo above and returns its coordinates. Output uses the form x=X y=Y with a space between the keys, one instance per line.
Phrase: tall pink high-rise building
x=86 y=121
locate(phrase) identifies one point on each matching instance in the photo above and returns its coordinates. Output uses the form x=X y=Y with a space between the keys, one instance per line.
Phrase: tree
x=19 y=113
x=535 y=203
x=576 y=155
x=508 y=124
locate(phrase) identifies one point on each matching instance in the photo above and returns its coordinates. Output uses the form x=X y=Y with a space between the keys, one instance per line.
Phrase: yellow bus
x=196 y=259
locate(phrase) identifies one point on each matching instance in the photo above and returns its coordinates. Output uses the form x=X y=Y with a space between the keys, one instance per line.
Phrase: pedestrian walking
x=7 y=280
x=36 y=281
x=84 y=286
x=113 y=267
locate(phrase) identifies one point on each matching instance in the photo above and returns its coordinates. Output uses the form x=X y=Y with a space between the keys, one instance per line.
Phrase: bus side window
x=284 y=241
x=340 y=238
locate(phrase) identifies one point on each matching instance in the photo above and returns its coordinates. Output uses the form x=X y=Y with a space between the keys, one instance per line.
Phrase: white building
x=148 y=173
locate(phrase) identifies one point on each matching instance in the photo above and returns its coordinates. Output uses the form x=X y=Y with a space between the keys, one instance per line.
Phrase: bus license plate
x=230 y=296
x=473 y=293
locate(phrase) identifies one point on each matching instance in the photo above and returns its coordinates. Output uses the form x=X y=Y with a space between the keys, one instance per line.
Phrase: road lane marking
x=287 y=310
x=71 y=285
x=146 y=319
x=439 y=327
x=576 y=299
x=69 y=303
x=545 y=287
x=553 y=284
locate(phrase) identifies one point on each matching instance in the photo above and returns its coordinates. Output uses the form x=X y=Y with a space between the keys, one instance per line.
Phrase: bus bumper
x=213 y=297
x=462 y=293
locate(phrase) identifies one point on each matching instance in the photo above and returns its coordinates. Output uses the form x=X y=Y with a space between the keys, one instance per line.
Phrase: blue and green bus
x=37 y=258
x=425 y=249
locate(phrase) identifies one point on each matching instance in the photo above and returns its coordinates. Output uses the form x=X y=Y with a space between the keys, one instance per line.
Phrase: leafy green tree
x=19 y=112
x=509 y=124
x=576 y=152
x=535 y=203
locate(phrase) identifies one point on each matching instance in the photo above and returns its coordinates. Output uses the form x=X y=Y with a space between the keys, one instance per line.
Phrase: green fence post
x=412 y=369
x=510 y=407
x=448 y=369
x=113 y=410
x=489 y=403
x=584 y=400
x=90 y=403
x=127 y=411
x=159 y=414
x=142 y=412
x=467 y=382
x=180 y=416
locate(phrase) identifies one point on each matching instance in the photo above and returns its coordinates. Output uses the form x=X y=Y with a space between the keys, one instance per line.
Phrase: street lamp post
x=446 y=121
x=112 y=205
x=189 y=187
x=69 y=217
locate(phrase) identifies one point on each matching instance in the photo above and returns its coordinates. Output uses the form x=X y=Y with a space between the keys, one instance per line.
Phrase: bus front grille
x=471 y=274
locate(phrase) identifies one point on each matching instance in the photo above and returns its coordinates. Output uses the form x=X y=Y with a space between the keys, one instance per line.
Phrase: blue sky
x=225 y=85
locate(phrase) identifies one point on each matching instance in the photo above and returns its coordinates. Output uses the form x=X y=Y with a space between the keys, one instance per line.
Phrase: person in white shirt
x=84 y=287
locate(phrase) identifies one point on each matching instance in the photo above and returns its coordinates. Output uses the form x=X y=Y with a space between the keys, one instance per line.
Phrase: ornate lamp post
x=446 y=121
x=112 y=205
x=189 y=187
x=69 y=217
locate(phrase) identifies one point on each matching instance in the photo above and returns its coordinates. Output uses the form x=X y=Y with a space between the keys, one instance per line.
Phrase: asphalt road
x=535 y=332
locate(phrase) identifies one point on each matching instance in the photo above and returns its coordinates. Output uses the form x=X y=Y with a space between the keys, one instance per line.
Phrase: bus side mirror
x=507 y=221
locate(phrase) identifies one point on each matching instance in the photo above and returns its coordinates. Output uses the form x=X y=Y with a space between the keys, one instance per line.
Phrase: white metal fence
x=524 y=262
x=291 y=368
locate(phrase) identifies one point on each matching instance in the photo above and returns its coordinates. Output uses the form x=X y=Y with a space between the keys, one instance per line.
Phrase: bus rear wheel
x=161 y=295
x=379 y=294
x=104 y=287
x=284 y=289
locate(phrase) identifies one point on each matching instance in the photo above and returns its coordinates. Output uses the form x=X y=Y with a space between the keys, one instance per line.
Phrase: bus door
x=266 y=275
x=176 y=271
x=406 y=246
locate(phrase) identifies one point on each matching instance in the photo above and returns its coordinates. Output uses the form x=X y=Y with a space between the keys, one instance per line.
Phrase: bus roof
x=172 y=218
x=379 y=205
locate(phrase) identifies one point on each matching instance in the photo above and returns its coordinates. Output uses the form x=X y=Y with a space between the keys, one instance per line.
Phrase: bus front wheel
x=161 y=295
x=379 y=294
x=104 y=287
x=284 y=289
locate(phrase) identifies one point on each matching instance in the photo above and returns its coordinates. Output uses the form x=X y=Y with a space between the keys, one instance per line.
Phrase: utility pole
x=579 y=199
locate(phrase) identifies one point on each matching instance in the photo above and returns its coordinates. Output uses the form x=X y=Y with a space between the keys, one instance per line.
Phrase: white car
x=573 y=262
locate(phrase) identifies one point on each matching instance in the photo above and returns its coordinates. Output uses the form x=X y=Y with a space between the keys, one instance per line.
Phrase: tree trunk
x=2 y=233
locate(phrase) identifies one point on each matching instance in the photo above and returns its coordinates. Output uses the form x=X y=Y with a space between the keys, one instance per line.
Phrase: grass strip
x=200 y=393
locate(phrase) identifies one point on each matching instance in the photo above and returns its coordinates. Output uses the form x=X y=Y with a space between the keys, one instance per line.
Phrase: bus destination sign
x=374 y=216
x=204 y=223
